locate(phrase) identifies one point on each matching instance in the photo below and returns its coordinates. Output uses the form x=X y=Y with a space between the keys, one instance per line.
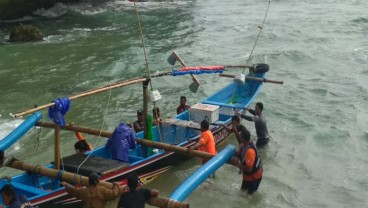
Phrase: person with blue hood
x=121 y=140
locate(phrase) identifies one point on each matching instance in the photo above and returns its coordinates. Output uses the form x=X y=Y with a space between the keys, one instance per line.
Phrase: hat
x=93 y=178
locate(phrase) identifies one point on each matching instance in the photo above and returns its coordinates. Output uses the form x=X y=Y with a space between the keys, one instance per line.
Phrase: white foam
x=6 y=126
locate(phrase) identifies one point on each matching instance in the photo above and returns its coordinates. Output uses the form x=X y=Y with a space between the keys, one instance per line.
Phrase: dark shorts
x=262 y=142
x=251 y=186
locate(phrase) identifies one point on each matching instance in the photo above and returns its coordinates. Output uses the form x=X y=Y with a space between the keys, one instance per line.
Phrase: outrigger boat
x=44 y=190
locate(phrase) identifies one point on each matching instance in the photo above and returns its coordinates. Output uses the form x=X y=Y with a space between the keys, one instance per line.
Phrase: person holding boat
x=138 y=124
x=250 y=164
x=259 y=122
x=206 y=141
x=94 y=196
x=237 y=128
x=135 y=198
x=183 y=106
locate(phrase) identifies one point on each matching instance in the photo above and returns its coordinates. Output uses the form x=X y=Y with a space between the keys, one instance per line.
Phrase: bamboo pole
x=57 y=147
x=181 y=150
x=91 y=92
x=83 y=180
x=148 y=143
x=254 y=78
x=145 y=108
x=83 y=94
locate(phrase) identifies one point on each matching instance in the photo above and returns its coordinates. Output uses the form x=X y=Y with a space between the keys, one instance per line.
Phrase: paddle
x=175 y=57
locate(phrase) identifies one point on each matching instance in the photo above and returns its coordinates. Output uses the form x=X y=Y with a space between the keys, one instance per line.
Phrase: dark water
x=318 y=119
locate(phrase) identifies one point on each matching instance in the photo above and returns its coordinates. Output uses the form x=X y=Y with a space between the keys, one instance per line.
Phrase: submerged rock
x=25 y=33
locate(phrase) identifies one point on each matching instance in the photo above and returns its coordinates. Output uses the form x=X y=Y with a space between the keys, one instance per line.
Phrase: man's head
x=93 y=179
x=140 y=115
x=259 y=108
x=235 y=120
x=8 y=194
x=183 y=100
x=244 y=136
x=205 y=125
x=80 y=147
x=132 y=181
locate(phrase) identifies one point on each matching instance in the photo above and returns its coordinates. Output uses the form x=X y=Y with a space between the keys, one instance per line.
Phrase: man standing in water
x=206 y=142
x=250 y=164
x=259 y=123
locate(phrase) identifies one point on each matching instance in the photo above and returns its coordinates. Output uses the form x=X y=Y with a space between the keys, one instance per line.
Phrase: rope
x=146 y=60
x=259 y=33
x=99 y=136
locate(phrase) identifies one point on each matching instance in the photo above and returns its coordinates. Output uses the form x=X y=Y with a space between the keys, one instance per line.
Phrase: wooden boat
x=43 y=191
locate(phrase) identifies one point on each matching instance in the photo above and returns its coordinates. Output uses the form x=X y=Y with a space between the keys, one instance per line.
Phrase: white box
x=200 y=112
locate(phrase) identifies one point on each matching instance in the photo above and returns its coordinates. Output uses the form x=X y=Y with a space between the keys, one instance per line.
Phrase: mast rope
x=259 y=33
x=146 y=61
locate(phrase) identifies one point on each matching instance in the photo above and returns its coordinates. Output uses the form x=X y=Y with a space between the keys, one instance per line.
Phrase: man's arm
x=251 y=111
x=110 y=194
x=73 y=191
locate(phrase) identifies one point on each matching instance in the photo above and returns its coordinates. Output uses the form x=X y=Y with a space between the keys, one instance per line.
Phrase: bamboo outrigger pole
x=148 y=143
x=83 y=180
x=91 y=92
x=254 y=78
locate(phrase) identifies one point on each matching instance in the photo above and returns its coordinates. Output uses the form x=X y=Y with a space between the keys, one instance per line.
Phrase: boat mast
x=145 y=107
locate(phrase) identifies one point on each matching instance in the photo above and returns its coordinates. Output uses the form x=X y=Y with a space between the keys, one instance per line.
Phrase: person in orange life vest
x=82 y=145
x=182 y=107
x=250 y=164
x=206 y=141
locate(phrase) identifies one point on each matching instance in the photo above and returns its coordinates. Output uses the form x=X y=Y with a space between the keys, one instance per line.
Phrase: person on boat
x=135 y=198
x=138 y=124
x=183 y=106
x=83 y=141
x=250 y=164
x=259 y=122
x=11 y=200
x=94 y=196
x=206 y=141
x=237 y=128
x=121 y=140
x=156 y=116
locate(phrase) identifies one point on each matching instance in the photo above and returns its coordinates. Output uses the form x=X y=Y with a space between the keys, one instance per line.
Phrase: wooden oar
x=254 y=78
x=175 y=57
x=82 y=180
x=148 y=143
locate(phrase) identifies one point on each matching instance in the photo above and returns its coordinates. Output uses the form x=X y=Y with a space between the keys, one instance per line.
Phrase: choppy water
x=318 y=119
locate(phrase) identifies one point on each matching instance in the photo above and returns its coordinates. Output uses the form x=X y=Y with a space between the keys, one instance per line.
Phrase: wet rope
x=259 y=33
